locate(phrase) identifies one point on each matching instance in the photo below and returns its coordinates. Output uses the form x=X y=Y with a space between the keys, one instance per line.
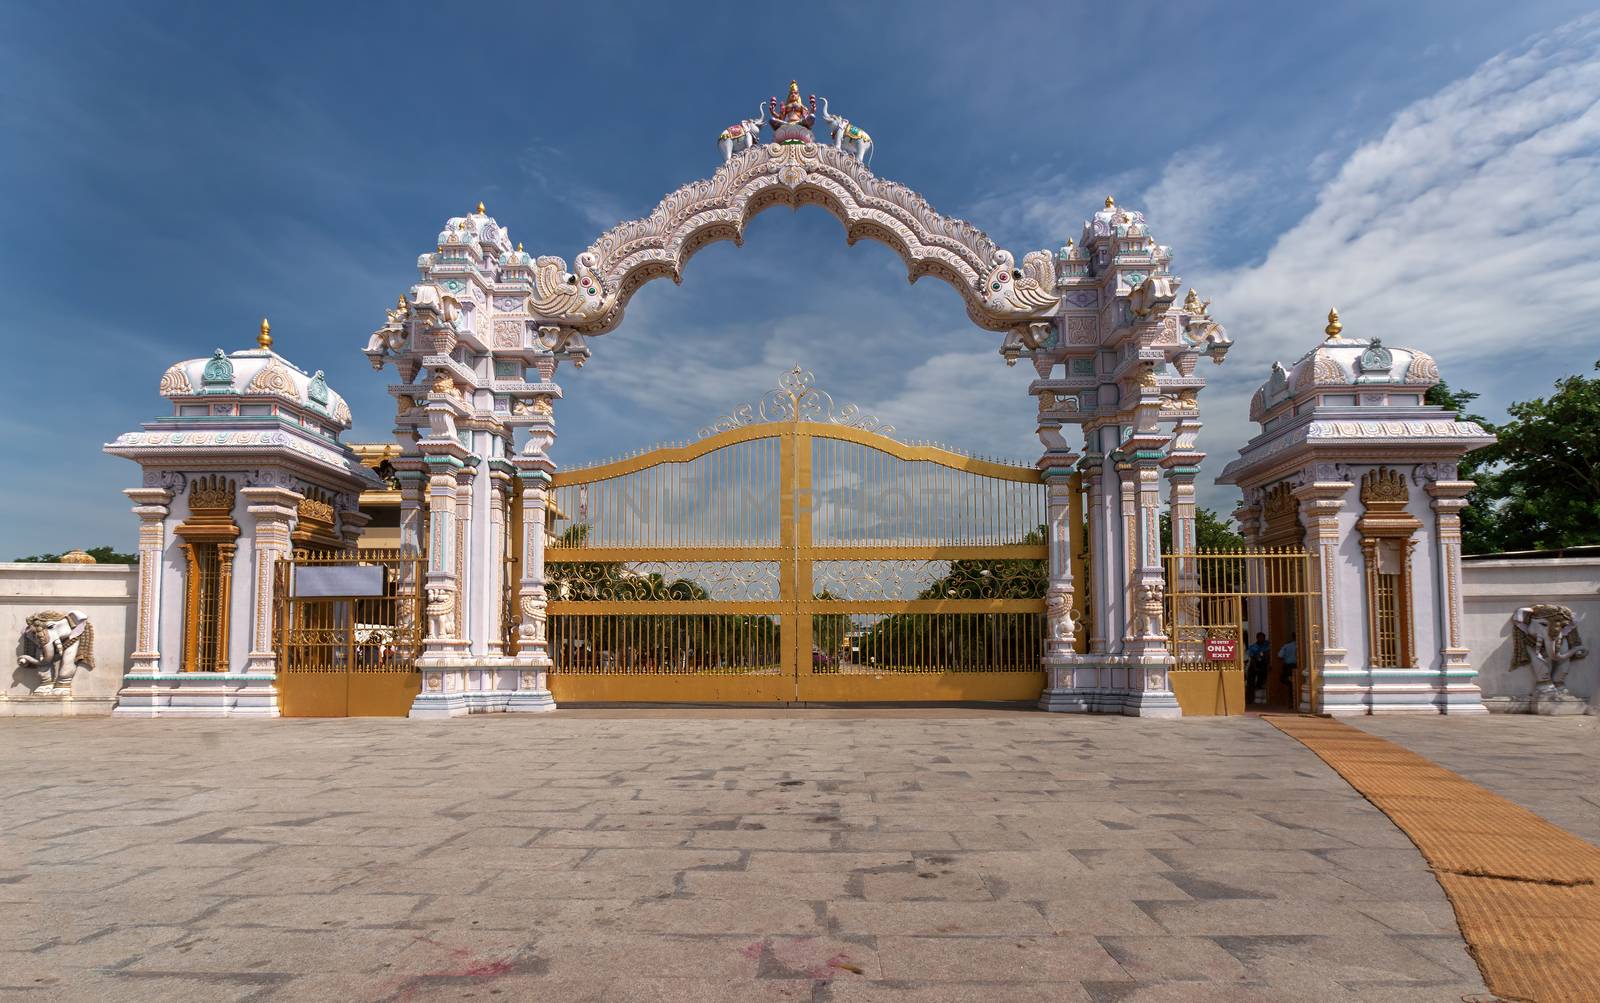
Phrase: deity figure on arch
x=792 y=122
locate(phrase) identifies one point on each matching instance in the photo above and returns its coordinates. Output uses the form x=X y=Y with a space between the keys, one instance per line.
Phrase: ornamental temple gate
x=478 y=340
x=797 y=551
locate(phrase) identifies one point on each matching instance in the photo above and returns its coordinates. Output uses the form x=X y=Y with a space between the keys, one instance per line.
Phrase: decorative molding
x=795 y=398
x=590 y=298
x=175 y=382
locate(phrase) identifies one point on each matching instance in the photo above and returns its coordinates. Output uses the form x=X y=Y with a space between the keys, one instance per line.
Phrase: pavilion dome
x=1358 y=363
x=255 y=372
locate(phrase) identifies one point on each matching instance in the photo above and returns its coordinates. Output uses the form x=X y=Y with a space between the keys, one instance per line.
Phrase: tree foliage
x=1211 y=532
x=101 y=555
x=1539 y=485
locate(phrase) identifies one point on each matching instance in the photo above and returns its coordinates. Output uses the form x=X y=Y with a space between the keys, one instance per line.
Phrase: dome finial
x=264 y=339
x=480 y=207
x=1334 y=327
x=1111 y=203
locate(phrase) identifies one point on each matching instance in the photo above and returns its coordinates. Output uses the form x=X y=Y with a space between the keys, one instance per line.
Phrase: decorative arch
x=590 y=299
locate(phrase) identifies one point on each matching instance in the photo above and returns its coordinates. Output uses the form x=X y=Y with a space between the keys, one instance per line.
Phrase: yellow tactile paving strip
x=1526 y=893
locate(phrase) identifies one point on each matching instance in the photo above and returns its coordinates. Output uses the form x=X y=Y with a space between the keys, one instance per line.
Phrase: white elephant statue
x=740 y=136
x=847 y=136
x=57 y=645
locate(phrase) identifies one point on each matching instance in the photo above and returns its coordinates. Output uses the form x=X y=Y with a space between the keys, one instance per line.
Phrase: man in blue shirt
x=1255 y=668
x=1288 y=655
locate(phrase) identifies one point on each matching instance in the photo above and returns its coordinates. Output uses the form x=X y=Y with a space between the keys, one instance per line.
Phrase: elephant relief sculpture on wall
x=1545 y=638
x=56 y=645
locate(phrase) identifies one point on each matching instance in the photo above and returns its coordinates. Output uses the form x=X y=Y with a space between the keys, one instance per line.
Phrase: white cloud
x=1469 y=229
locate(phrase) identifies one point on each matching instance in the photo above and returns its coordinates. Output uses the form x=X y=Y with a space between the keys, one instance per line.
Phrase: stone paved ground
x=1549 y=765
x=827 y=856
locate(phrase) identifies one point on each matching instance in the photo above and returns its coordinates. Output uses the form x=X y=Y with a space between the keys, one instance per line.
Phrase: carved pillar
x=1336 y=688
x=1127 y=553
x=440 y=578
x=410 y=510
x=499 y=486
x=1149 y=657
x=150 y=505
x=1064 y=690
x=1462 y=694
x=466 y=564
x=534 y=470
x=225 y=552
x=1101 y=553
x=443 y=673
x=273 y=510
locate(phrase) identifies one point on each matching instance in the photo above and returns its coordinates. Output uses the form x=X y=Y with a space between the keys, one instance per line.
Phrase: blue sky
x=172 y=172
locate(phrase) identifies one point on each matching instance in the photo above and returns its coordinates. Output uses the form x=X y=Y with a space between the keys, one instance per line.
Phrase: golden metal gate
x=1219 y=596
x=349 y=630
x=797 y=561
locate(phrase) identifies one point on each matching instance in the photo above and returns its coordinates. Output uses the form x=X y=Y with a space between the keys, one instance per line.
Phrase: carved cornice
x=210 y=520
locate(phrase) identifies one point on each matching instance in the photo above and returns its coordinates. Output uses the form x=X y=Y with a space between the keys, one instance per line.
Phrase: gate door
x=349 y=633
x=1217 y=602
x=789 y=561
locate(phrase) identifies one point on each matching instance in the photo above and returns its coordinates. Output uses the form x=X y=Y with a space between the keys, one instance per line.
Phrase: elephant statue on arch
x=847 y=136
x=740 y=136
x=56 y=645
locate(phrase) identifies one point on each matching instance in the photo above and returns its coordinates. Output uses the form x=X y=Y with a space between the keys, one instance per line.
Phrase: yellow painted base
x=1209 y=692
x=783 y=688
x=347 y=694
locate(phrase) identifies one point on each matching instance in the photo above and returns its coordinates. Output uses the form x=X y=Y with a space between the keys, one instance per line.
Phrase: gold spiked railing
x=1219 y=596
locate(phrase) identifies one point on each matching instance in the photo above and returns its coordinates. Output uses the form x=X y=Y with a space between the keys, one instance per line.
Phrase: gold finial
x=400 y=303
x=1111 y=203
x=1334 y=327
x=264 y=339
x=519 y=247
x=480 y=207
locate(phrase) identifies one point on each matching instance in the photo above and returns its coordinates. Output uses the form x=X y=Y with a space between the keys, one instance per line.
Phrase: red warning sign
x=1221 y=649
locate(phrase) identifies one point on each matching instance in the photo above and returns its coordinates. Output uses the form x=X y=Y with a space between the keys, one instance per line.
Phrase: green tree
x=1539 y=486
x=101 y=555
x=1211 y=532
x=1479 y=526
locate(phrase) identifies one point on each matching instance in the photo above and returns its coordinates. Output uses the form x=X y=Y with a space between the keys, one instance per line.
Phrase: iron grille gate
x=1223 y=595
x=797 y=561
x=348 y=655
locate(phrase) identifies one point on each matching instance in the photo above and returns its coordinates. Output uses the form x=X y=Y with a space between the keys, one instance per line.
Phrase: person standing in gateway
x=1289 y=656
x=1255 y=663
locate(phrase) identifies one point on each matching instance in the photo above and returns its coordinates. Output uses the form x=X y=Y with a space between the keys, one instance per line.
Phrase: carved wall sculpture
x=1545 y=639
x=56 y=645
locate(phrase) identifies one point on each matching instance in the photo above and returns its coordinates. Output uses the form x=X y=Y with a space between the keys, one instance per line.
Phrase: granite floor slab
x=739 y=855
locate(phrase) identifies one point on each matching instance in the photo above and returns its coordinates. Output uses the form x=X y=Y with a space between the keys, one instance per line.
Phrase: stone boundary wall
x=106 y=592
x=1493 y=588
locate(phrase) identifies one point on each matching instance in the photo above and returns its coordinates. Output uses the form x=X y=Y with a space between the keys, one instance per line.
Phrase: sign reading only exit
x=1221 y=649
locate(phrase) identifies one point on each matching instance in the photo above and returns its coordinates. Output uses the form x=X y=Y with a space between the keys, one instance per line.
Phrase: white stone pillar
x=1101 y=553
x=443 y=673
x=273 y=509
x=1460 y=682
x=150 y=505
x=1150 y=659
x=533 y=641
x=1342 y=690
x=1064 y=690
x=499 y=486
